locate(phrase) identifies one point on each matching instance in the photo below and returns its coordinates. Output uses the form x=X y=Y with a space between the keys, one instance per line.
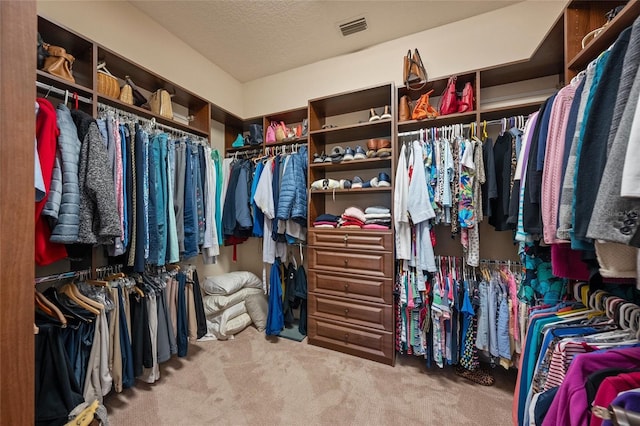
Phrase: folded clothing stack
x=377 y=217
x=352 y=217
x=326 y=221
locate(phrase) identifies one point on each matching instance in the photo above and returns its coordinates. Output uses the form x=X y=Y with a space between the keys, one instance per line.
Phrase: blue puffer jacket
x=292 y=203
x=63 y=203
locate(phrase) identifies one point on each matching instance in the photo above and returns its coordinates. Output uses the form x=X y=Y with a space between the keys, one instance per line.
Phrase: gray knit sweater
x=99 y=220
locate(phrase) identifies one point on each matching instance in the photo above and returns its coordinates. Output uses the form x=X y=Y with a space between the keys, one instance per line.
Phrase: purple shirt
x=570 y=405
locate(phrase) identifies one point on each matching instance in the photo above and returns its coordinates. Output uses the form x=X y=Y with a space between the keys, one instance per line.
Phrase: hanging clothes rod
x=152 y=123
x=67 y=94
x=62 y=276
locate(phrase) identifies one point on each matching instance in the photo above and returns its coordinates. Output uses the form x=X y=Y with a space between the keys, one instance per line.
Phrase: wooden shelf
x=369 y=163
x=465 y=117
x=290 y=116
x=349 y=191
x=61 y=83
x=246 y=148
x=624 y=19
x=145 y=113
x=353 y=132
x=355 y=100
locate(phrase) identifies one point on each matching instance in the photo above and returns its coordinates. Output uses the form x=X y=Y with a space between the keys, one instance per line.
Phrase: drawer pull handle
x=346 y=337
x=346 y=312
x=346 y=287
x=346 y=238
x=346 y=262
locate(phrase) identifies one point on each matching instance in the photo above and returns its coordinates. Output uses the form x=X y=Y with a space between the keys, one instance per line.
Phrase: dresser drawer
x=352 y=262
x=354 y=312
x=371 y=344
x=352 y=239
x=372 y=289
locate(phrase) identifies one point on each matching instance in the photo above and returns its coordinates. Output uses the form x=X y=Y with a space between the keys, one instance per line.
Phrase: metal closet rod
x=62 y=276
x=66 y=93
x=151 y=122
x=464 y=126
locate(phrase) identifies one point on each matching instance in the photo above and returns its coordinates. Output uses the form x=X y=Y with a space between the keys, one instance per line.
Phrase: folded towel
x=377 y=209
x=374 y=226
x=327 y=218
x=351 y=226
x=379 y=221
x=378 y=216
x=316 y=223
x=355 y=212
x=352 y=219
x=324 y=226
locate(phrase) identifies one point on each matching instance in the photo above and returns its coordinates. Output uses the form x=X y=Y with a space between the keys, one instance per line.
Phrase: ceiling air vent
x=353 y=26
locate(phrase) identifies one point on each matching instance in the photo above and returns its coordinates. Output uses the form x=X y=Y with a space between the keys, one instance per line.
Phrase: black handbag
x=138 y=98
x=42 y=52
x=255 y=134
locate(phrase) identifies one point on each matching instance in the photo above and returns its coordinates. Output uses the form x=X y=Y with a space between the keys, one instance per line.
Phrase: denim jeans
x=161 y=195
x=202 y=171
x=199 y=188
x=125 y=188
x=173 y=254
x=153 y=159
x=180 y=164
x=482 y=339
x=190 y=203
x=141 y=201
x=494 y=289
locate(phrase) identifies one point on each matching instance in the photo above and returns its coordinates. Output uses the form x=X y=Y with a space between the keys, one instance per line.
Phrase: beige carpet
x=257 y=381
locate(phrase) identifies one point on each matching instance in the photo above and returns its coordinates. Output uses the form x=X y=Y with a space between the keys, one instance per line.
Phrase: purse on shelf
x=271 y=133
x=423 y=108
x=107 y=84
x=138 y=98
x=160 y=103
x=466 y=101
x=126 y=94
x=449 y=99
x=281 y=131
x=255 y=134
x=414 y=72
x=42 y=52
x=404 y=109
x=59 y=62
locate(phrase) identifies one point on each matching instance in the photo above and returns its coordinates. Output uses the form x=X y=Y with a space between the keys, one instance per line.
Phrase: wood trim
x=17 y=132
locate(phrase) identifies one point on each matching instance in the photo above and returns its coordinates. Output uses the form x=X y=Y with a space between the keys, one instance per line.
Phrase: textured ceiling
x=253 y=39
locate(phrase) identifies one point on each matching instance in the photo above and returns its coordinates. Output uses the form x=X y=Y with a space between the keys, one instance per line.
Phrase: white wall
x=124 y=29
x=505 y=35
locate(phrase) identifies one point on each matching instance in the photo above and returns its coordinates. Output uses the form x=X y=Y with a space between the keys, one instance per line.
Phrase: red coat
x=47 y=134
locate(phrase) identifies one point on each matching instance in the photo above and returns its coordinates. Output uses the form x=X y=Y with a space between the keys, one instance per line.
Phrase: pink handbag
x=271 y=133
x=449 y=99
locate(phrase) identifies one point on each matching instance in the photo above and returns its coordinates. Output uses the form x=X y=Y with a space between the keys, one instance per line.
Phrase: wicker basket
x=107 y=83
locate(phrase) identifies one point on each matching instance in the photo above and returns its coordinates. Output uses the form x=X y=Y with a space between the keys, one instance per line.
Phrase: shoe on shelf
x=336 y=151
x=357 y=182
x=345 y=184
x=373 y=115
x=319 y=158
x=305 y=127
x=383 y=180
x=359 y=153
x=373 y=183
x=239 y=142
x=371 y=153
x=383 y=152
x=323 y=184
x=348 y=154
x=376 y=144
x=386 y=114
x=337 y=159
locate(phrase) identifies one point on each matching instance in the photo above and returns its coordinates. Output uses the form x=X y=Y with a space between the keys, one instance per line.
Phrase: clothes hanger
x=44 y=302
x=67 y=290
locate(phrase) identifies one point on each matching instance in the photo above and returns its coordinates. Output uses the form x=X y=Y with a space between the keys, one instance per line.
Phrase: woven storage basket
x=108 y=85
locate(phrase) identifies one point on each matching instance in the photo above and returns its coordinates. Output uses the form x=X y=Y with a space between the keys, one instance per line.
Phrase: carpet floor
x=254 y=380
